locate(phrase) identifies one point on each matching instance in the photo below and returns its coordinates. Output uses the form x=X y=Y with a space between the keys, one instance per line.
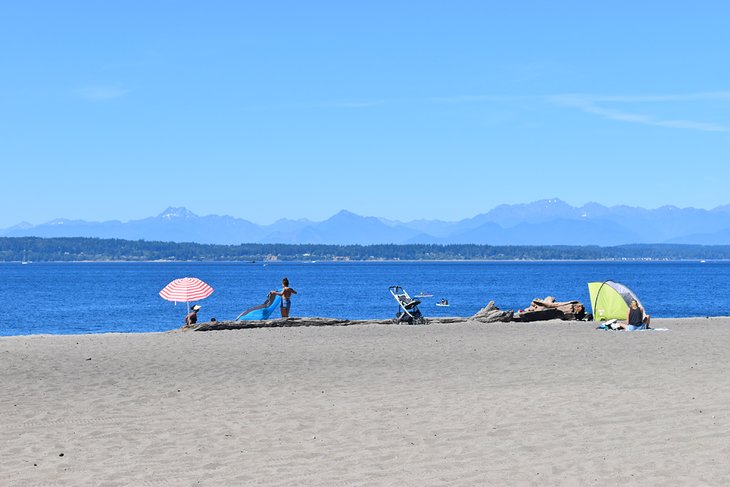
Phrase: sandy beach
x=551 y=403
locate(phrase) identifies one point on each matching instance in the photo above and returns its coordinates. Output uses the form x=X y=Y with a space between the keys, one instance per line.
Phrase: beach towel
x=263 y=310
x=615 y=325
x=609 y=325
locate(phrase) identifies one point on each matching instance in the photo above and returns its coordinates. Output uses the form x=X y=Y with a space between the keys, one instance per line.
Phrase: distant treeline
x=94 y=249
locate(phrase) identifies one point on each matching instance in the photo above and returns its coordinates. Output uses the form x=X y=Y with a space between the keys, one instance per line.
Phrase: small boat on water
x=443 y=302
x=423 y=295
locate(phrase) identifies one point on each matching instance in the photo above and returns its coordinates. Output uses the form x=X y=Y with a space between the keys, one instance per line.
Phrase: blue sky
x=405 y=110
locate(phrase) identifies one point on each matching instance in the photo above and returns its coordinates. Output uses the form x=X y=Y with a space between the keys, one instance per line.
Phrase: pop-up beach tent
x=610 y=300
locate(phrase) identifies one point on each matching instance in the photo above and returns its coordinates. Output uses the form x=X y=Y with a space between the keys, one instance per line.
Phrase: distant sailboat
x=25 y=259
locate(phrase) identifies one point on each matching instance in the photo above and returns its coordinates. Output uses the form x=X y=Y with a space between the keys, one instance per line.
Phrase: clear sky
x=404 y=110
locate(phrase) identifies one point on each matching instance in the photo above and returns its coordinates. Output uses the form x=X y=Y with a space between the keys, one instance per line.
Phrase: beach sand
x=551 y=403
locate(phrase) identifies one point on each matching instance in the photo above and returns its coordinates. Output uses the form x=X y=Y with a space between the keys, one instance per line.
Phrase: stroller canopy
x=610 y=300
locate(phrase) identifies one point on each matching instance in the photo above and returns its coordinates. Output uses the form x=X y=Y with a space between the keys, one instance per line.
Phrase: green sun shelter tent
x=610 y=300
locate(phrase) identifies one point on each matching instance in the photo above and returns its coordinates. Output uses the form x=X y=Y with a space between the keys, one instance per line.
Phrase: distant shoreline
x=81 y=249
x=351 y=261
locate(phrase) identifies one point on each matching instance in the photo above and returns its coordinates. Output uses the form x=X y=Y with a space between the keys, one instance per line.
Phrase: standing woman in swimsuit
x=285 y=294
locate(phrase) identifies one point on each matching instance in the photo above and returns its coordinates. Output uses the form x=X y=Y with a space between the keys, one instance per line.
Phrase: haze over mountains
x=545 y=222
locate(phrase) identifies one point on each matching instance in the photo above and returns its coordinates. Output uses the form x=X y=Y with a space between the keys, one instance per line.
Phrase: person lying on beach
x=285 y=294
x=635 y=318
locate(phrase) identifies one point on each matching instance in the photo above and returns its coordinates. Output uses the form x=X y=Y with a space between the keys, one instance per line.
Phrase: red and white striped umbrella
x=186 y=290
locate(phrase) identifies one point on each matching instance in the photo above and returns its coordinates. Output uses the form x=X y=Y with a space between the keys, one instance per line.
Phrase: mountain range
x=544 y=222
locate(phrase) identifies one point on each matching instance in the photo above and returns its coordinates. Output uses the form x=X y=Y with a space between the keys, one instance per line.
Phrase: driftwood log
x=292 y=322
x=549 y=309
x=491 y=314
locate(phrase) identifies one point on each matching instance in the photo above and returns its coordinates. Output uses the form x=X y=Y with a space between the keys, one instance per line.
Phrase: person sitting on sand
x=285 y=294
x=192 y=317
x=635 y=318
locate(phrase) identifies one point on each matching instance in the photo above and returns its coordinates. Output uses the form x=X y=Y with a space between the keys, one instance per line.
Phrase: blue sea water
x=66 y=298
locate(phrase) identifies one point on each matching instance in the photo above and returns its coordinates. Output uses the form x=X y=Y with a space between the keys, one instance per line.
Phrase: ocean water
x=66 y=298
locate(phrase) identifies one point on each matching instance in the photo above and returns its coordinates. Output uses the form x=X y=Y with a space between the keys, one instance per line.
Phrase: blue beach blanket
x=262 y=311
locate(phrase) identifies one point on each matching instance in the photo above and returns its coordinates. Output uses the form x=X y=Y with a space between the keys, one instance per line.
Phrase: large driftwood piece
x=549 y=308
x=491 y=314
x=291 y=322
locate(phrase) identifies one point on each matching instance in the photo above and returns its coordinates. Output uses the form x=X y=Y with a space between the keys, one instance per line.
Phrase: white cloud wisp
x=595 y=105
x=100 y=92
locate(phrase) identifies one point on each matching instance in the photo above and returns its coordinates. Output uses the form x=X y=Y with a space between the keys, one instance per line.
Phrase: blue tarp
x=262 y=311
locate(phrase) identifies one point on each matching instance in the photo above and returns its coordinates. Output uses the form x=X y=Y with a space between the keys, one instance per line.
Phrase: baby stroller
x=408 y=311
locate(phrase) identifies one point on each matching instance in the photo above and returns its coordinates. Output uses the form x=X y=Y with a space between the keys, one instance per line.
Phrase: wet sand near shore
x=461 y=403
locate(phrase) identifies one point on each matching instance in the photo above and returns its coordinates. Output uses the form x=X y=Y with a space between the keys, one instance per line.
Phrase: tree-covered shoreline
x=15 y=249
